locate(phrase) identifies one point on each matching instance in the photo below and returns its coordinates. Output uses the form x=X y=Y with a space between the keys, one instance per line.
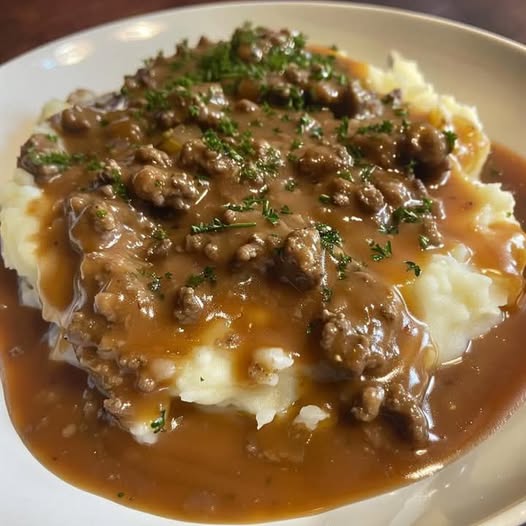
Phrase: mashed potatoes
x=457 y=300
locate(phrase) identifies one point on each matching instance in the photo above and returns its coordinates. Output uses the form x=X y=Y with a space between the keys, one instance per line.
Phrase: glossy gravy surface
x=204 y=470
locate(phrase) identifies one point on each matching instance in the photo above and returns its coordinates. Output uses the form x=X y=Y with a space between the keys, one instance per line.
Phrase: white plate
x=488 y=485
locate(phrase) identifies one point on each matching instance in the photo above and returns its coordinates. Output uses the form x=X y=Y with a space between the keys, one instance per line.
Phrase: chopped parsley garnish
x=412 y=266
x=119 y=188
x=355 y=152
x=329 y=237
x=424 y=242
x=60 y=159
x=208 y=274
x=51 y=137
x=285 y=210
x=193 y=110
x=296 y=143
x=325 y=199
x=155 y=284
x=156 y=100
x=306 y=122
x=381 y=127
x=216 y=144
x=342 y=129
x=378 y=252
x=227 y=126
x=269 y=213
x=451 y=139
x=407 y=214
x=326 y=294
x=366 y=172
x=290 y=185
x=216 y=225
x=159 y=233
x=159 y=423
x=343 y=262
x=100 y=213
x=94 y=165
x=346 y=174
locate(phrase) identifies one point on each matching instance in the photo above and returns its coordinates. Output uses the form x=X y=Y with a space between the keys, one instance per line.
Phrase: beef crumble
x=256 y=155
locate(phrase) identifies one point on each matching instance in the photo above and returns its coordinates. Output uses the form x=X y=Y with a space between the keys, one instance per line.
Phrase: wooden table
x=25 y=24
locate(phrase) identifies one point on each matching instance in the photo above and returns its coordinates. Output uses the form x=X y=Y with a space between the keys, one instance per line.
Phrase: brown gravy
x=203 y=472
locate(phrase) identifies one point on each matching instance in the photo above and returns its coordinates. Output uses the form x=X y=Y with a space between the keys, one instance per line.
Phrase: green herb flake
x=366 y=172
x=159 y=233
x=296 y=143
x=119 y=188
x=342 y=129
x=412 y=266
x=207 y=275
x=326 y=294
x=193 y=110
x=343 y=262
x=156 y=100
x=269 y=213
x=155 y=284
x=216 y=225
x=100 y=213
x=381 y=127
x=451 y=139
x=424 y=242
x=159 y=423
x=290 y=185
x=329 y=237
x=407 y=214
x=378 y=252
x=325 y=199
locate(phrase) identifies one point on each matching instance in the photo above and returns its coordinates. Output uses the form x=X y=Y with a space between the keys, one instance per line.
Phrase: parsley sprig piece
x=216 y=225
x=451 y=139
x=412 y=266
x=207 y=274
x=268 y=212
x=407 y=214
x=385 y=126
x=329 y=237
x=379 y=252
x=159 y=423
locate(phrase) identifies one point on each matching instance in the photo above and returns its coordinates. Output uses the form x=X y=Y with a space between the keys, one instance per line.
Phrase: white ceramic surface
x=486 y=486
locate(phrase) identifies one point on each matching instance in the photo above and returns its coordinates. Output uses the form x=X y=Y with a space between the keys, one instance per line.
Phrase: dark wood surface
x=25 y=24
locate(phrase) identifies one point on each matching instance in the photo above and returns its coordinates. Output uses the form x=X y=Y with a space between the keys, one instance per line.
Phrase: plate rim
x=398 y=11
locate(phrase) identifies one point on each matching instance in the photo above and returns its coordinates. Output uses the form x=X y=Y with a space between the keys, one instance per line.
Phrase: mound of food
x=262 y=226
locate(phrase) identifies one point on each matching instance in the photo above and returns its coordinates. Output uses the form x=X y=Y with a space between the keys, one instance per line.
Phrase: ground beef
x=188 y=305
x=407 y=413
x=150 y=155
x=300 y=259
x=361 y=332
x=370 y=197
x=75 y=120
x=319 y=161
x=165 y=188
x=197 y=156
x=426 y=146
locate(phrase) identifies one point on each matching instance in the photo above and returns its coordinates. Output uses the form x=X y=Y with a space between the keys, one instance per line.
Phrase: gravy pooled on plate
x=242 y=255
